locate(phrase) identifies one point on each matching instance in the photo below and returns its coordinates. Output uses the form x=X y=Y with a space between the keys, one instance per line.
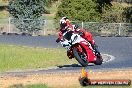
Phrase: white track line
x=111 y=58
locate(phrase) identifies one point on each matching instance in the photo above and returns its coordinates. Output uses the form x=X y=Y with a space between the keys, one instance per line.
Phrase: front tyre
x=81 y=59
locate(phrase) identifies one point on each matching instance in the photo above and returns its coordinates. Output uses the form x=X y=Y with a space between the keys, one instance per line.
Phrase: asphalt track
x=119 y=47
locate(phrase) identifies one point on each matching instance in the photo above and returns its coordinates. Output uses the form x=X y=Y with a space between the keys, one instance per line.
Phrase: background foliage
x=127 y=14
x=94 y=11
x=27 y=14
x=81 y=10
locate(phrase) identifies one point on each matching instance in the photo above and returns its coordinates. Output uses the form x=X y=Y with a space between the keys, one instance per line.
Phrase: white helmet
x=64 y=22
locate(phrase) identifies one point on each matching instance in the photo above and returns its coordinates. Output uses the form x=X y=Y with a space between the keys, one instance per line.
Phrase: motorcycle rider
x=65 y=25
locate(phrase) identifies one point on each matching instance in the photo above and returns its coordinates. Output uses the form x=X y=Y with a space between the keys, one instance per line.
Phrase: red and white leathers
x=86 y=35
x=65 y=25
x=62 y=30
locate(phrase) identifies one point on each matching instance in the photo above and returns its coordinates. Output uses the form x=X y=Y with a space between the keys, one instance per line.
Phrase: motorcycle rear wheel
x=82 y=61
x=99 y=60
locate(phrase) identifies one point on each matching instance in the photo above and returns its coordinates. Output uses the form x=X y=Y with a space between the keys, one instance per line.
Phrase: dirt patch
x=62 y=80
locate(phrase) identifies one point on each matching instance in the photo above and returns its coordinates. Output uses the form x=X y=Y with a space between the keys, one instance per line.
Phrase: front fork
x=70 y=51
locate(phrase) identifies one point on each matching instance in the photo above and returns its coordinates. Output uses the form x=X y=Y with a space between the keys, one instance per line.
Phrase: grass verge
x=30 y=86
x=66 y=79
x=74 y=86
x=19 y=57
x=4 y=15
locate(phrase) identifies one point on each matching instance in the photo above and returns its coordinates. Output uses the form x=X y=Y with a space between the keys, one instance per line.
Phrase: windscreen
x=68 y=35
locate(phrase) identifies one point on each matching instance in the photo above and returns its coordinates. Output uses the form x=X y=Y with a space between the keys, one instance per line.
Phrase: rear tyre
x=99 y=60
x=82 y=60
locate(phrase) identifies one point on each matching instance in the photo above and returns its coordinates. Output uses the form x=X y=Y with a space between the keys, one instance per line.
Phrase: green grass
x=37 y=86
x=19 y=58
x=52 y=9
x=3 y=2
x=4 y=15
x=51 y=24
x=45 y=86
x=30 y=86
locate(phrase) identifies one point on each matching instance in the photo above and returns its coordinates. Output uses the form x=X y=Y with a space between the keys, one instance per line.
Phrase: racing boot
x=95 y=49
x=69 y=54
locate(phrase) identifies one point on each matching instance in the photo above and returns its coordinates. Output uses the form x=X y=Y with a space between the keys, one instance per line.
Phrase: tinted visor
x=63 y=25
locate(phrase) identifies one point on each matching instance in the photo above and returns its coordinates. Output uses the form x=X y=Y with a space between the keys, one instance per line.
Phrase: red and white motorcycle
x=79 y=48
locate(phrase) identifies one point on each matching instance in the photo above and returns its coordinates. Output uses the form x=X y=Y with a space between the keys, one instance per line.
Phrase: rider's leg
x=89 y=38
x=69 y=54
x=95 y=48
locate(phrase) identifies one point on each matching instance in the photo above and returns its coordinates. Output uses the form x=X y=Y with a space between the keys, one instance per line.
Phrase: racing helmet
x=64 y=22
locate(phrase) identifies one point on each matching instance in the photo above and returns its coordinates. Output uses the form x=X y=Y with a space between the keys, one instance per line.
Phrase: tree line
x=95 y=11
x=79 y=10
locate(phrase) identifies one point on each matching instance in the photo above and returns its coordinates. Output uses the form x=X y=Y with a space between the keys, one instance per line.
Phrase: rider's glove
x=81 y=33
x=64 y=45
x=57 y=40
x=76 y=26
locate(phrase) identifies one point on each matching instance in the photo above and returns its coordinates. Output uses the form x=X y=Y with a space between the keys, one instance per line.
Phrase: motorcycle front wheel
x=81 y=58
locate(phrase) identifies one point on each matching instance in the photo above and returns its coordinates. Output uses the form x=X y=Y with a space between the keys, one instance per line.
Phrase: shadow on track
x=72 y=65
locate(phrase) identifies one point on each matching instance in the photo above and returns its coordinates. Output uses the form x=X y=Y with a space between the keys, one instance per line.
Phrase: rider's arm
x=60 y=36
x=80 y=31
